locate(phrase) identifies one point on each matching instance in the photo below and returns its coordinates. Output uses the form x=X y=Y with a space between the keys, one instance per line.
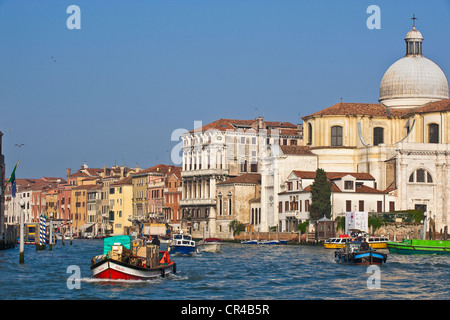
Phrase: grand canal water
x=287 y=272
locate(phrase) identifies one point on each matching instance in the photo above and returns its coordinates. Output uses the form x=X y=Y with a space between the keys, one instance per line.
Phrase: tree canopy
x=321 y=196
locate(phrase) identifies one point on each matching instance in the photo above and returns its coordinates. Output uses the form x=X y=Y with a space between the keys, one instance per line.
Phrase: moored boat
x=417 y=246
x=249 y=241
x=359 y=253
x=182 y=244
x=210 y=245
x=337 y=243
x=128 y=259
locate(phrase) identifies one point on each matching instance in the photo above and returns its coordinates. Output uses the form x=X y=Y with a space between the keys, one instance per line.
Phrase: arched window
x=336 y=136
x=433 y=133
x=310 y=133
x=378 y=135
x=420 y=176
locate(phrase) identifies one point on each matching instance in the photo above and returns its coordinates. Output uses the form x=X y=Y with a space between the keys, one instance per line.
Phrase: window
x=379 y=206
x=420 y=176
x=310 y=132
x=433 y=133
x=361 y=205
x=306 y=205
x=336 y=136
x=348 y=185
x=378 y=136
x=348 y=205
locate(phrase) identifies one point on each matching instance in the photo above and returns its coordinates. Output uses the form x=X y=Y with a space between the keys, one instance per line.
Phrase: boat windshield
x=187 y=237
x=177 y=236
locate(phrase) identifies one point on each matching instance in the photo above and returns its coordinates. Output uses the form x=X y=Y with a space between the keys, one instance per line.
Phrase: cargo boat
x=417 y=246
x=125 y=258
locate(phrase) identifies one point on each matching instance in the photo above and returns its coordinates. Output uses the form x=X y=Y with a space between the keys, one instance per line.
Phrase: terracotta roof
x=159 y=168
x=366 y=189
x=334 y=175
x=334 y=188
x=247 y=178
x=233 y=124
x=78 y=174
x=87 y=187
x=122 y=182
x=176 y=171
x=289 y=132
x=436 y=106
x=354 y=109
x=297 y=150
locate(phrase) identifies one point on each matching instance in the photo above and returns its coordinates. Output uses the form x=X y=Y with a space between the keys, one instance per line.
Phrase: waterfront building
x=234 y=197
x=219 y=150
x=172 y=197
x=148 y=194
x=350 y=191
x=276 y=165
x=403 y=141
x=51 y=203
x=93 y=221
x=64 y=193
x=78 y=205
x=121 y=204
x=24 y=191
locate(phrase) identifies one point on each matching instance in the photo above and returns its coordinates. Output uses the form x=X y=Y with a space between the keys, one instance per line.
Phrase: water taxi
x=128 y=259
x=337 y=243
x=374 y=242
x=182 y=244
x=377 y=242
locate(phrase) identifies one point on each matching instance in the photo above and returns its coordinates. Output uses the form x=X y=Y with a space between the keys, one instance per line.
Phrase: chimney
x=68 y=172
x=122 y=168
x=260 y=123
x=104 y=171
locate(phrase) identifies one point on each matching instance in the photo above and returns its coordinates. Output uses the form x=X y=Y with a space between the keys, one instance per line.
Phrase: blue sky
x=116 y=89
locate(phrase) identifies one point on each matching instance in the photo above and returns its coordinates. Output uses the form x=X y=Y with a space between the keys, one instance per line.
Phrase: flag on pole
x=12 y=179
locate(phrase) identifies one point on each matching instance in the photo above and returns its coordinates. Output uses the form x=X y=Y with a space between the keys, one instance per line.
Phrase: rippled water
x=287 y=272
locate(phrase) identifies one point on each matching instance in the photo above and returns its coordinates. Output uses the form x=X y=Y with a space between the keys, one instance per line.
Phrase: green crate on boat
x=125 y=241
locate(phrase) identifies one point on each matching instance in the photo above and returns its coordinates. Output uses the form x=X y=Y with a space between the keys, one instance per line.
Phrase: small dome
x=414 y=35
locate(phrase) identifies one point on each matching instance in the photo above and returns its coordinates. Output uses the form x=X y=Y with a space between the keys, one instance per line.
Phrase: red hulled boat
x=127 y=259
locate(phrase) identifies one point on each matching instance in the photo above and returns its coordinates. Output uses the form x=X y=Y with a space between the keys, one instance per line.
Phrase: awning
x=86 y=226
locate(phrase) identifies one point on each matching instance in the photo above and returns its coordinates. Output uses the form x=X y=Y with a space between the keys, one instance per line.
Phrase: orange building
x=172 y=196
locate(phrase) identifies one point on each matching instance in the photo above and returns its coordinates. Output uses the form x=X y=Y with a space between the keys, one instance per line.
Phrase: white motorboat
x=210 y=245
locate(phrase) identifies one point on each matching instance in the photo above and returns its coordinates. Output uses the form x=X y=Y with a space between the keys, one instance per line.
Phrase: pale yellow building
x=121 y=203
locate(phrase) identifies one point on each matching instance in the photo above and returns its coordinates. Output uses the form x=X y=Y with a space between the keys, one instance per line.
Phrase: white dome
x=413 y=80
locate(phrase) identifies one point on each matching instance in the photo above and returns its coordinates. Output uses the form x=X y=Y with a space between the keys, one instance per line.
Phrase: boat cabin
x=339 y=240
x=182 y=239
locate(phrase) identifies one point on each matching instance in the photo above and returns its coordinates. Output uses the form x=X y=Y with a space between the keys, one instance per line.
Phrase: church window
x=420 y=176
x=336 y=136
x=378 y=136
x=310 y=132
x=433 y=133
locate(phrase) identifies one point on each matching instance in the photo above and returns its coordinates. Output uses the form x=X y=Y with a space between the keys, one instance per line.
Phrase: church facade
x=403 y=141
